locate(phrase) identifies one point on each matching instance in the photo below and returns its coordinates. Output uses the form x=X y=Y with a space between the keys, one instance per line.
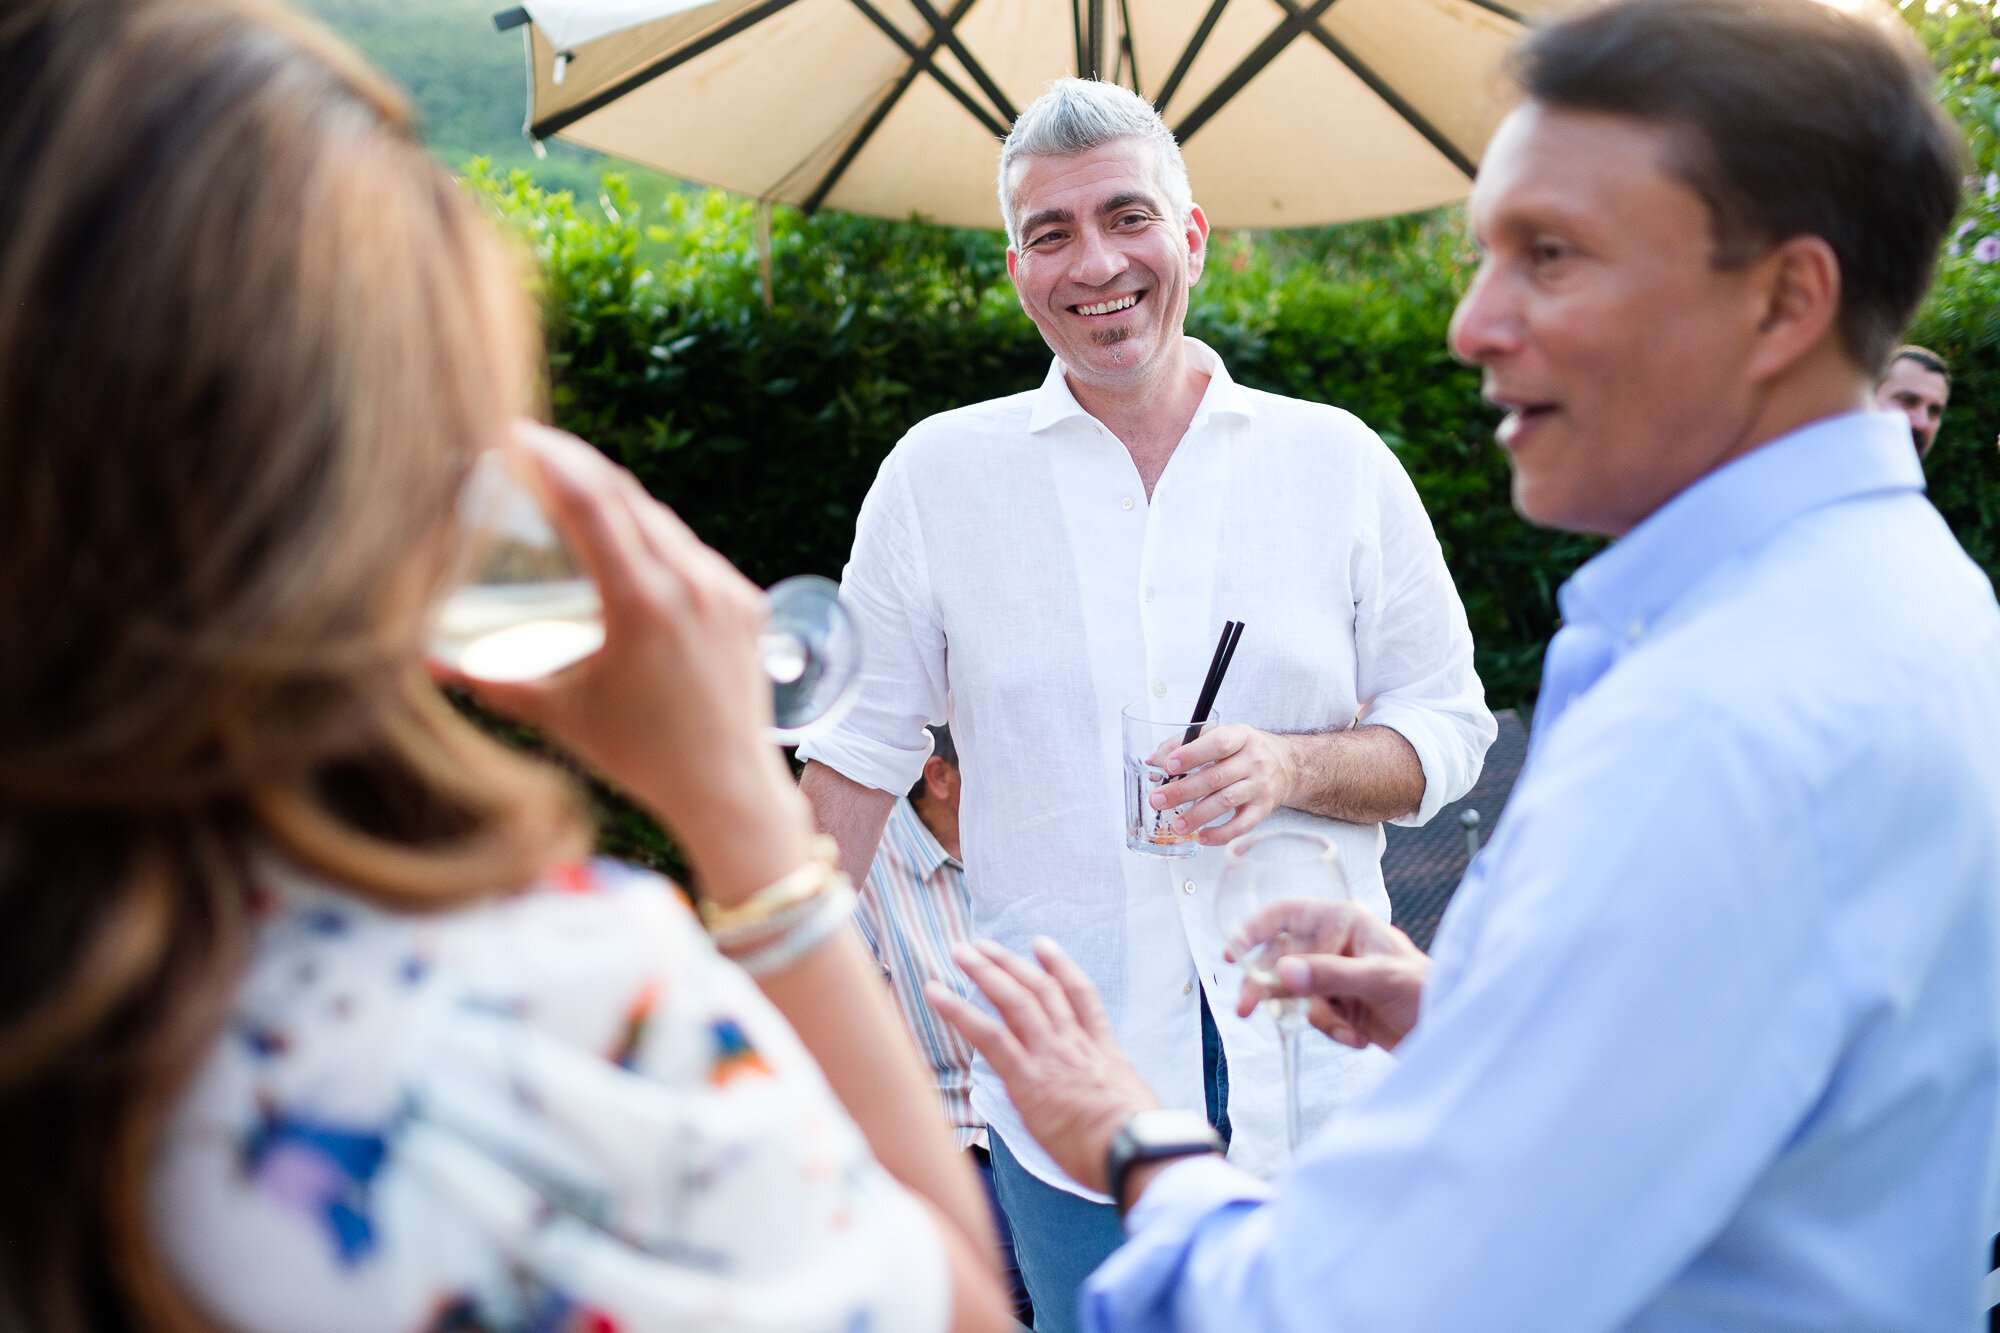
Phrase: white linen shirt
x=1010 y=576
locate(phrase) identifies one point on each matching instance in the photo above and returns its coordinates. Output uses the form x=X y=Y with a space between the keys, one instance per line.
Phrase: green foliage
x=1961 y=318
x=764 y=428
x=468 y=83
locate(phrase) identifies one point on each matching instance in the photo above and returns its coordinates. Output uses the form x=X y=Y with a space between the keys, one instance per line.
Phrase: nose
x=1487 y=324
x=1095 y=260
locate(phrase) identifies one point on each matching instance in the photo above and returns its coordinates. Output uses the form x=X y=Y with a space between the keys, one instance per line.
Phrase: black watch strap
x=1150 y=1136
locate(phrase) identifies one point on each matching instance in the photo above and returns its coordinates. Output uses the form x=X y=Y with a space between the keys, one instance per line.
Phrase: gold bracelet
x=809 y=881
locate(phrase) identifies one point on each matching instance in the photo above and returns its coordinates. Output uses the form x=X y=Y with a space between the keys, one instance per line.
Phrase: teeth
x=1109 y=307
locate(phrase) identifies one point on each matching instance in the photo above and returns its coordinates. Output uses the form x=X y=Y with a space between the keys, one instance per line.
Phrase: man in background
x=1917 y=384
x=1028 y=567
x=913 y=913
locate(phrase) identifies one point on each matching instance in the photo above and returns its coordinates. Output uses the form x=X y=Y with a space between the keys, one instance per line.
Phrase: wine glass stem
x=1291 y=1019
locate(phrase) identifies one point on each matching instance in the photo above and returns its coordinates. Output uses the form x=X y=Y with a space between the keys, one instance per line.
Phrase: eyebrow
x=1045 y=217
x=1052 y=215
x=1127 y=200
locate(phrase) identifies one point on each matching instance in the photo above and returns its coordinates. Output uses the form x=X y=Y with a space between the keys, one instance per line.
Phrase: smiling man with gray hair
x=1031 y=566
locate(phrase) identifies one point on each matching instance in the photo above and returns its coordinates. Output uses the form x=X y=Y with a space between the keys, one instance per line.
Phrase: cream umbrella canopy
x=1289 y=112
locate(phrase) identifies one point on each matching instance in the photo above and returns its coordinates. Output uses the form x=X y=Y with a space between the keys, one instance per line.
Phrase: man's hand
x=1363 y=975
x=1249 y=771
x=1072 y=1085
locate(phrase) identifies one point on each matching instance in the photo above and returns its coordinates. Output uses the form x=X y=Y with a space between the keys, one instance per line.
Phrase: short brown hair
x=1924 y=357
x=1799 y=119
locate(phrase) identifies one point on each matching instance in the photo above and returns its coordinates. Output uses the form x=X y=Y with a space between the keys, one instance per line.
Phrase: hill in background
x=470 y=86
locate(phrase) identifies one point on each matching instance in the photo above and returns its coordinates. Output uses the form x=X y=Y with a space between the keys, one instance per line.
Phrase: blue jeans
x=1010 y=1272
x=1059 y=1238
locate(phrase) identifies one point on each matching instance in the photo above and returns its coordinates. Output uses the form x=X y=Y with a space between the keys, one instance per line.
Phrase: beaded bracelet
x=831 y=912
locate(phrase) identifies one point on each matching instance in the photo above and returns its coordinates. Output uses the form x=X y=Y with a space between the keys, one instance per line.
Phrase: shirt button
x=1147 y=595
x=1159 y=691
x=1125 y=503
x=1188 y=989
x=1187 y=886
x=1635 y=630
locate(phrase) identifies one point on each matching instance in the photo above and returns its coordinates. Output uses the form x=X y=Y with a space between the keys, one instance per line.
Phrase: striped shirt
x=913 y=910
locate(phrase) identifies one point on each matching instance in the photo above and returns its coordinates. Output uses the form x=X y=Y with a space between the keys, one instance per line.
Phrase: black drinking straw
x=1218 y=667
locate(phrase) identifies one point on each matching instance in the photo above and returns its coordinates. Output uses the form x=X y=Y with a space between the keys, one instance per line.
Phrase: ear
x=1013 y=260
x=937 y=778
x=1197 y=243
x=1798 y=287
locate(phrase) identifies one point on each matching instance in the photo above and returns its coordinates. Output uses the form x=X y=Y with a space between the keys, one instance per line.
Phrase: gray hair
x=1077 y=115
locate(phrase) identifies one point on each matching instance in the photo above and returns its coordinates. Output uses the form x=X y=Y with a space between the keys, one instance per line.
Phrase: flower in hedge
x=1992 y=183
x=1988 y=249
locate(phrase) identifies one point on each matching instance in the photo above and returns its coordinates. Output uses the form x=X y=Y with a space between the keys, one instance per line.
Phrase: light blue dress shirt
x=1712 y=1035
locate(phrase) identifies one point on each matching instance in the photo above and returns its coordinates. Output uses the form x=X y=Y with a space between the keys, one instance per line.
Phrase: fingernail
x=1294 y=973
x=1180 y=826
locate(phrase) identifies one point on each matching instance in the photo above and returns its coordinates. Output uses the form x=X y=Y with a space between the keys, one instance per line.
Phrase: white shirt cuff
x=1451 y=759
x=868 y=762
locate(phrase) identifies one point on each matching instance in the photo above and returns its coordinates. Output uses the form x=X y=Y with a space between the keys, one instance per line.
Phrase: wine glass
x=1265 y=868
x=526 y=609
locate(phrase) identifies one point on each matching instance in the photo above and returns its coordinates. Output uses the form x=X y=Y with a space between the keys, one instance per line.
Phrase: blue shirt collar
x=1630 y=585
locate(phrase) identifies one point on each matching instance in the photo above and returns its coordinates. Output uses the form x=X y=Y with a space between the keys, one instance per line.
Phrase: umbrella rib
x=1361 y=70
x=1125 y=37
x=1186 y=62
x=878 y=115
x=1251 y=66
x=944 y=80
x=947 y=29
x=1076 y=30
x=666 y=64
x=1503 y=11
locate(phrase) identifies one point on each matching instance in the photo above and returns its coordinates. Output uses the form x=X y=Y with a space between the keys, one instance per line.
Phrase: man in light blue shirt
x=1711 y=1037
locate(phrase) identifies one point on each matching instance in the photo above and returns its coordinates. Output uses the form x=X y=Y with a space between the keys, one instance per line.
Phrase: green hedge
x=764 y=428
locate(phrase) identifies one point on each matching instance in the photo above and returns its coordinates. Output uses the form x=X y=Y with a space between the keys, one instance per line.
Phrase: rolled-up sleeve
x=1413 y=647
x=881 y=743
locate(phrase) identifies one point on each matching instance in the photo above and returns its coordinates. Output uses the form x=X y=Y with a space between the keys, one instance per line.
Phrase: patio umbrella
x=1289 y=112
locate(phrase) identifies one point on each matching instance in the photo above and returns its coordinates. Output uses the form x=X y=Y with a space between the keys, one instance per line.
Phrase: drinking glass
x=526 y=609
x=1258 y=870
x=1150 y=736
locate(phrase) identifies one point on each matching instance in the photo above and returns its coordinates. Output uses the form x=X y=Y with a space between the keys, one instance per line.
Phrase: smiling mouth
x=1111 y=307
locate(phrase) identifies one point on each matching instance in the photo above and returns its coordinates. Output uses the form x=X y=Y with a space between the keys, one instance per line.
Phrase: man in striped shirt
x=914 y=910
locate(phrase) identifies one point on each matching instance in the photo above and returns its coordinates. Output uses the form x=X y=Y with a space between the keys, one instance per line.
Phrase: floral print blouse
x=559 y=1112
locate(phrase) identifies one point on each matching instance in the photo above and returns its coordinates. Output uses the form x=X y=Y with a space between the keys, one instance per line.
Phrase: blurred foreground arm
x=674 y=710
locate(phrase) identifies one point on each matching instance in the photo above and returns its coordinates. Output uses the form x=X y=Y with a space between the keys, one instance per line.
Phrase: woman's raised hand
x=674 y=708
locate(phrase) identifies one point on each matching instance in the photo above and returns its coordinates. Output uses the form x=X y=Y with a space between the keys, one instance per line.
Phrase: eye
x=1546 y=250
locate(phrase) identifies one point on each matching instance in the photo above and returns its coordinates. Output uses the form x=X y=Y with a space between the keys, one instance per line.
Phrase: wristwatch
x=1149 y=1136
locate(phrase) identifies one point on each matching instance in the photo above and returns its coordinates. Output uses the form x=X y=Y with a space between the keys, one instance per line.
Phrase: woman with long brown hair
x=311 y=1013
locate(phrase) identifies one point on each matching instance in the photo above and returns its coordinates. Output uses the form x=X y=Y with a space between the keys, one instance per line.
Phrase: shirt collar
x=930 y=852
x=1053 y=402
x=1628 y=586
